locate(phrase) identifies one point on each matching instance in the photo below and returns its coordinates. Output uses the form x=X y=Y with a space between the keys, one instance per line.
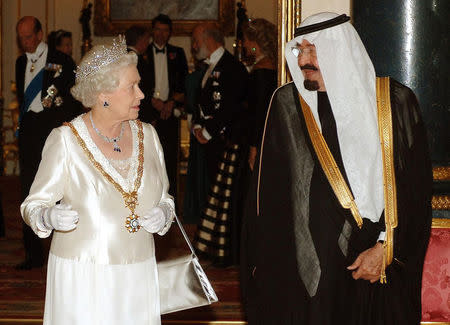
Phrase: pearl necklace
x=114 y=141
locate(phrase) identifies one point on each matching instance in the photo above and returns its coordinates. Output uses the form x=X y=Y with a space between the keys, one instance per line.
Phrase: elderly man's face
x=28 y=39
x=308 y=63
x=199 y=47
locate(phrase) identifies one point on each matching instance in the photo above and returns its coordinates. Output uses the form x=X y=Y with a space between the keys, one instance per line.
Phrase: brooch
x=216 y=96
x=132 y=223
x=51 y=96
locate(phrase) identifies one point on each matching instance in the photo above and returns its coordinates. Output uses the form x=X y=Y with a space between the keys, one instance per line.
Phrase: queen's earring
x=105 y=104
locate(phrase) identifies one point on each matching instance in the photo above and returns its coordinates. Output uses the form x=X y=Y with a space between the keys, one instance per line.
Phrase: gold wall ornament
x=440 y=223
x=440 y=202
x=289 y=17
x=441 y=173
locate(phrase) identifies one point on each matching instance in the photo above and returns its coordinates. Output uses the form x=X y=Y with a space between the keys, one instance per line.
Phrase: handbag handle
x=186 y=238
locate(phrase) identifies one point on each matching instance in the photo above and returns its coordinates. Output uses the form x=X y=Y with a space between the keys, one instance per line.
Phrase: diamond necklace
x=114 y=141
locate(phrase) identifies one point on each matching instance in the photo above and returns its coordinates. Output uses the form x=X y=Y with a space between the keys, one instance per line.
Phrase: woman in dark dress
x=260 y=42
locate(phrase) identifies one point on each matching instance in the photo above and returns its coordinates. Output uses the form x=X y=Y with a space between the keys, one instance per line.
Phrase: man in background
x=219 y=127
x=137 y=38
x=167 y=70
x=43 y=79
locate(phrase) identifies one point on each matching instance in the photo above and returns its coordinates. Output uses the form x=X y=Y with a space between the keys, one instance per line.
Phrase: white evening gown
x=99 y=273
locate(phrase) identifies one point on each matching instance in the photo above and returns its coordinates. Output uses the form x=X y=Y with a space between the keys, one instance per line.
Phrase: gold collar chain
x=130 y=198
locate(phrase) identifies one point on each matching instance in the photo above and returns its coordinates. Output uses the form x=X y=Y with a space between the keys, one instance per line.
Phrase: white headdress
x=349 y=78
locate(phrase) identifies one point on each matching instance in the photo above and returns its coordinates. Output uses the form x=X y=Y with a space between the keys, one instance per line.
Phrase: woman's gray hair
x=104 y=80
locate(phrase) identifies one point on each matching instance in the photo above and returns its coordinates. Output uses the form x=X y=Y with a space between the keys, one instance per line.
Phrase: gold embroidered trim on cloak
x=390 y=191
x=130 y=198
x=329 y=166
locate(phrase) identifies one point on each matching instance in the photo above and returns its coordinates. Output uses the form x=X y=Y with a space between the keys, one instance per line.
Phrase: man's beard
x=202 y=53
x=311 y=85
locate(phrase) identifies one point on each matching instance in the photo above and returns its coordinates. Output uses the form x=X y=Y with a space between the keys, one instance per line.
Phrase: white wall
x=56 y=14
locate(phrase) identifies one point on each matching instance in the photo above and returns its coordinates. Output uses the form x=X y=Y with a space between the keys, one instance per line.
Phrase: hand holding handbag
x=182 y=282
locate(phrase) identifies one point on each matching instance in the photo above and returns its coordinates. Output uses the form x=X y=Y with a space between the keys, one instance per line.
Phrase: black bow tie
x=157 y=50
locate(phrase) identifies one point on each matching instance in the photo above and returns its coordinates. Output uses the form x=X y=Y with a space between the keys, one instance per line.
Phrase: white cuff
x=169 y=213
x=382 y=236
x=38 y=226
x=206 y=135
x=176 y=112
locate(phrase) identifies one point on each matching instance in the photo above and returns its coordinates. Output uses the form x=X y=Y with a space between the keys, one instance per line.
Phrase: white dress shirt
x=161 y=74
x=36 y=59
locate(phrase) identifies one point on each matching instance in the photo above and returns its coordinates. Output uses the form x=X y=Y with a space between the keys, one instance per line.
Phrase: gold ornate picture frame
x=289 y=17
x=104 y=25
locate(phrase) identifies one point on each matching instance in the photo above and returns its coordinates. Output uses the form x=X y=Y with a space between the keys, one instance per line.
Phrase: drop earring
x=105 y=104
x=253 y=49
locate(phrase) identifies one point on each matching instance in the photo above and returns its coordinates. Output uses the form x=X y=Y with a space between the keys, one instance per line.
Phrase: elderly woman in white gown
x=102 y=189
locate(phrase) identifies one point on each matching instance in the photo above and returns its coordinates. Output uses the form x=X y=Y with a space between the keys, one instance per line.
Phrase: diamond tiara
x=102 y=55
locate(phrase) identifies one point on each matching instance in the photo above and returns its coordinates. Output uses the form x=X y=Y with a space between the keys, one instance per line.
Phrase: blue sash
x=31 y=92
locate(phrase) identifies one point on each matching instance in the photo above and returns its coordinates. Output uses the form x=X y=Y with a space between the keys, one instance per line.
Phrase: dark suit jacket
x=223 y=99
x=35 y=127
x=69 y=108
x=177 y=70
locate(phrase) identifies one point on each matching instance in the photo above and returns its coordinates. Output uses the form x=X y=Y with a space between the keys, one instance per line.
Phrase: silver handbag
x=182 y=282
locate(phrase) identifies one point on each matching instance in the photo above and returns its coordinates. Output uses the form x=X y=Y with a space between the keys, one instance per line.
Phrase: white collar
x=159 y=47
x=215 y=56
x=83 y=131
x=41 y=48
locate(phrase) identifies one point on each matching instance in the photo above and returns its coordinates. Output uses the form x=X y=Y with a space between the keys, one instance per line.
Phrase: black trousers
x=34 y=130
x=168 y=133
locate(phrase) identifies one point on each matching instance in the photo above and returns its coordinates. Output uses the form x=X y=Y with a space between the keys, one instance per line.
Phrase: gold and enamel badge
x=132 y=223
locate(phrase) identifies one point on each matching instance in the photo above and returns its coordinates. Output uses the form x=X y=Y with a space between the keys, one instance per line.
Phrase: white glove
x=154 y=221
x=60 y=217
